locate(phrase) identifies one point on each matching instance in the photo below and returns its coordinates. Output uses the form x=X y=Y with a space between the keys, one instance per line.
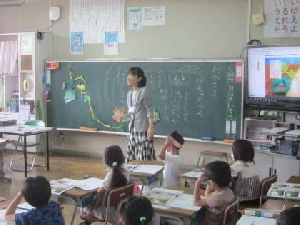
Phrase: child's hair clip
x=142 y=218
x=114 y=164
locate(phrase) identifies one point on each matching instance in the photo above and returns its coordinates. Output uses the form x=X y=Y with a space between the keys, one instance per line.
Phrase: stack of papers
x=285 y=190
x=148 y=169
x=252 y=220
x=89 y=184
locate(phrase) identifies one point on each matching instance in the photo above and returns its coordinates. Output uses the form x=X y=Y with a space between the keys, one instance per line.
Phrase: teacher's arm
x=147 y=101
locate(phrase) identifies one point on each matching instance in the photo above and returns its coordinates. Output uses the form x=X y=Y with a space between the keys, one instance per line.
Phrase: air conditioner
x=11 y=2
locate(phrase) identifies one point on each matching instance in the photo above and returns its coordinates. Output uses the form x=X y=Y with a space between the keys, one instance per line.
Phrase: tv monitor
x=274 y=76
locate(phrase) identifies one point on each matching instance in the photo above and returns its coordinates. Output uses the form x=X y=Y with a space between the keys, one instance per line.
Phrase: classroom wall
x=194 y=29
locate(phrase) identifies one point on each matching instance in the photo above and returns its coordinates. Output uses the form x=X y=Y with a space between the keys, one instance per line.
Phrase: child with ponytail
x=115 y=177
x=135 y=210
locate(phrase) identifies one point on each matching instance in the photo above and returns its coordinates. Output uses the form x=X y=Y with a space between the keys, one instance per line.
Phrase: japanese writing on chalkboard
x=282 y=18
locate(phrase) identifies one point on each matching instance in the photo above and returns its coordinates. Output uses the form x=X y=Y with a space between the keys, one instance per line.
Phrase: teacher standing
x=139 y=103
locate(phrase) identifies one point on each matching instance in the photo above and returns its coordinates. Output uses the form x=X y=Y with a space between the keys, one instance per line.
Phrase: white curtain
x=8 y=57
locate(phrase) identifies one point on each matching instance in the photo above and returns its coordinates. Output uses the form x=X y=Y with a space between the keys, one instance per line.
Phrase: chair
x=229 y=213
x=111 y=200
x=115 y=196
x=265 y=186
x=20 y=143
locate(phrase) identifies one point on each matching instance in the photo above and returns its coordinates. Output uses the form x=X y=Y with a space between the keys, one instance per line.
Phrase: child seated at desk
x=173 y=160
x=135 y=211
x=218 y=194
x=37 y=192
x=115 y=177
x=289 y=216
x=247 y=184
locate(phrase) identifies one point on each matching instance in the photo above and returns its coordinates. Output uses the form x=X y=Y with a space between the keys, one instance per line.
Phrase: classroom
x=71 y=77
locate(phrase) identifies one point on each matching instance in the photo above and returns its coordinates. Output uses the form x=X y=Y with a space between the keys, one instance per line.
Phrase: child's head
x=113 y=154
x=136 y=77
x=114 y=158
x=218 y=174
x=289 y=216
x=177 y=139
x=135 y=210
x=243 y=150
x=36 y=191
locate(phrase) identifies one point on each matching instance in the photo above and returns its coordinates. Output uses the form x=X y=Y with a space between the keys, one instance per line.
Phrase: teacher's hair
x=139 y=73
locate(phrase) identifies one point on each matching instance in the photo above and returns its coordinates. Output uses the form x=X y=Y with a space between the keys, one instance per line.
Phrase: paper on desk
x=148 y=169
x=183 y=201
x=193 y=174
x=58 y=186
x=130 y=167
x=89 y=184
x=251 y=220
x=161 y=196
x=2 y=215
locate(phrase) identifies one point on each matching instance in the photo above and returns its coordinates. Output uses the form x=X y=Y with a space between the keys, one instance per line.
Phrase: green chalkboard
x=198 y=98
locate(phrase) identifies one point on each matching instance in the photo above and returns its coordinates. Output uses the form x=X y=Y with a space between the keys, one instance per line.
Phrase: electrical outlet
x=297 y=116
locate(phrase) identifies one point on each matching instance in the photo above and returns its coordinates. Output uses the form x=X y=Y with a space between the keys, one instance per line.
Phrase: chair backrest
x=266 y=184
x=230 y=212
x=37 y=123
x=116 y=195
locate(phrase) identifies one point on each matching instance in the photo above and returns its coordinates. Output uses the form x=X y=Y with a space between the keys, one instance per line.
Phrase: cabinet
x=21 y=81
x=267 y=164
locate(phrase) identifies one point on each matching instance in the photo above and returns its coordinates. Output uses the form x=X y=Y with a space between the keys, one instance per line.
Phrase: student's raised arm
x=162 y=151
x=197 y=196
x=10 y=212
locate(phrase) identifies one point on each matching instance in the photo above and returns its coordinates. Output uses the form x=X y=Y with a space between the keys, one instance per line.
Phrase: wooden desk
x=273 y=204
x=26 y=131
x=294 y=180
x=182 y=215
x=146 y=178
x=3 y=142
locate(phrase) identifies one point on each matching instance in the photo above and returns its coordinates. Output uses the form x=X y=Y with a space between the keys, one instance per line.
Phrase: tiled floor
x=60 y=166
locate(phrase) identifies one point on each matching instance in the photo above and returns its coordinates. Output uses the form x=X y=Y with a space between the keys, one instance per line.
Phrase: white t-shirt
x=245 y=168
x=172 y=169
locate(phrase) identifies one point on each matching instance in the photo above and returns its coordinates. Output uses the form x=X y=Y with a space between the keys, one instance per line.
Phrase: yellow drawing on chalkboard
x=81 y=86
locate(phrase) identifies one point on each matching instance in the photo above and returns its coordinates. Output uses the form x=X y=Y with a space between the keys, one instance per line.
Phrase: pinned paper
x=111 y=43
x=257 y=19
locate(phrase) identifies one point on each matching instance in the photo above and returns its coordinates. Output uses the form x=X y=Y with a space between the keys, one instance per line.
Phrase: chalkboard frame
x=153 y=60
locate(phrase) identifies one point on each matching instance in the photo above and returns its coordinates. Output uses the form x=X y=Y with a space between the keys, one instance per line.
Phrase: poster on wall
x=134 y=18
x=76 y=43
x=153 y=16
x=282 y=18
x=111 y=44
x=94 y=17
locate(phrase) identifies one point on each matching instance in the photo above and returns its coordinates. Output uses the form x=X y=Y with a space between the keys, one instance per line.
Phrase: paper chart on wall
x=94 y=17
x=134 y=18
x=153 y=16
x=282 y=18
